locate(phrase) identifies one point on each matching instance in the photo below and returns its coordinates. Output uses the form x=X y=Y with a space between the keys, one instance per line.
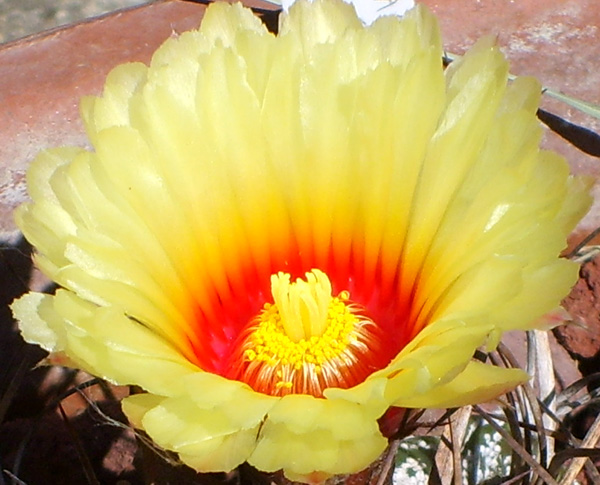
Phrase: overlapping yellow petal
x=314 y=435
x=213 y=425
x=238 y=154
x=103 y=341
x=476 y=383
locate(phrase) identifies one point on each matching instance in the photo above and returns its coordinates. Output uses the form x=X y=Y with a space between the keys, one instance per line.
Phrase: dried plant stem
x=541 y=365
x=574 y=252
x=448 y=459
x=88 y=469
x=530 y=409
x=525 y=455
x=388 y=462
x=14 y=478
x=590 y=441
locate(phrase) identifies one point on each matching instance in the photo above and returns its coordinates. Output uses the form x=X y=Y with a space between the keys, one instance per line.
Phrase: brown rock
x=582 y=337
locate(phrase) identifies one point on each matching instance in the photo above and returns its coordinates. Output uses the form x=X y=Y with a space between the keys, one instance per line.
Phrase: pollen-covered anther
x=307 y=340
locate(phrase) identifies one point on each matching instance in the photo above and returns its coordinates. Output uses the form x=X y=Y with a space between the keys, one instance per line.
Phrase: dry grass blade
x=13 y=386
x=520 y=431
x=586 y=254
x=411 y=421
x=530 y=409
x=575 y=251
x=541 y=366
x=562 y=456
x=88 y=469
x=517 y=430
x=53 y=404
x=517 y=479
x=386 y=469
x=583 y=106
x=531 y=461
x=540 y=363
x=564 y=436
x=448 y=455
x=591 y=439
x=15 y=479
x=567 y=400
x=458 y=430
x=592 y=472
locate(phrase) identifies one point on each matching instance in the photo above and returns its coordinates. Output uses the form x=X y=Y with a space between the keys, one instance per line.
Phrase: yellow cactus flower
x=280 y=237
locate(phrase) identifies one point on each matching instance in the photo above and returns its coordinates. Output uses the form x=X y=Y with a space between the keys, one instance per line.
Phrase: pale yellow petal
x=492 y=236
x=320 y=450
x=318 y=22
x=102 y=340
x=222 y=454
x=369 y=393
x=211 y=442
x=112 y=109
x=332 y=435
x=85 y=242
x=203 y=426
x=456 y=144
x=209 y=391
x=37 y=330
x=477 y=383
x=222 y=24
x=301 y=413
x=433 y=358
x=136 y=406
x=314 y=451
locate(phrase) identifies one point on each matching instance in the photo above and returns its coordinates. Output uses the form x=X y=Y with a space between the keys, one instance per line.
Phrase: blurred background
x=19 y=18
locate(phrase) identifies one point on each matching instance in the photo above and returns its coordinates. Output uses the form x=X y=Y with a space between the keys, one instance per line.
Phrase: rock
x=582 y=337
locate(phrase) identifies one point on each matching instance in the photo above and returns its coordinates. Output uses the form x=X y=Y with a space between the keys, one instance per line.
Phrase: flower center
x=307 y=340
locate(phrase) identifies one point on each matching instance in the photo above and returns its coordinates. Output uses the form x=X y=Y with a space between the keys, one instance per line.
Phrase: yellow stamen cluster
x=271 y=344
x=306 y=340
